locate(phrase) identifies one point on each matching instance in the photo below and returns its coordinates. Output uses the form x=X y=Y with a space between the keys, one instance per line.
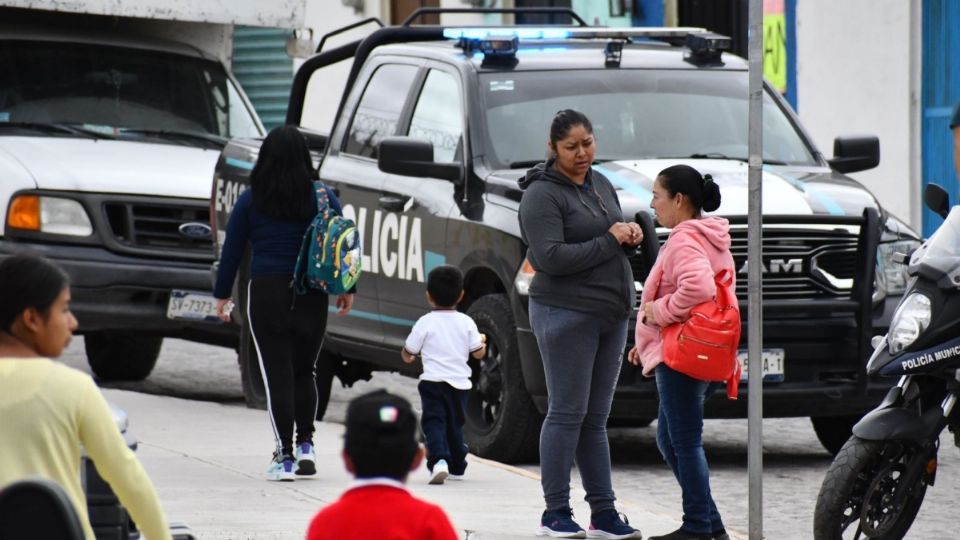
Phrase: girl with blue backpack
x=287 y=328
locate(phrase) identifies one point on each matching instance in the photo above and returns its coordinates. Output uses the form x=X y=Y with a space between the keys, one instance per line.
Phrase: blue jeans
x=581 y=361
x=680 y=439
x=442 y=423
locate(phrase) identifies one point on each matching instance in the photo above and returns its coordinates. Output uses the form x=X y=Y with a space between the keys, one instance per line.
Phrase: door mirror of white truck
x=856 y=153
x=414 y=157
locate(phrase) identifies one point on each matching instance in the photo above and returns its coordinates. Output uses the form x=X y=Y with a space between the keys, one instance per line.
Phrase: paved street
x=794 y=461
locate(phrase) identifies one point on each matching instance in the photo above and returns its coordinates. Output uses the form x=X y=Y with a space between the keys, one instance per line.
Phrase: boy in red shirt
x=380 y=449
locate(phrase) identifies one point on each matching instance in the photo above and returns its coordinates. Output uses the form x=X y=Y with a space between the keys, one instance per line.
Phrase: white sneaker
x=440 y=472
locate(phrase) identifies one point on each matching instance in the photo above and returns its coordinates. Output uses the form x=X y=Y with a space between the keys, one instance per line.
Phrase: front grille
x=799 y=263
x=157 y=226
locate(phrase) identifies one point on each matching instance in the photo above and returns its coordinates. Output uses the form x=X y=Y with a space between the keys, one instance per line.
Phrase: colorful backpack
x=329 y=257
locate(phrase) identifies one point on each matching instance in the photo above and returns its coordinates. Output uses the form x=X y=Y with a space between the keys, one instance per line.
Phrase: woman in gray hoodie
x=580 y=300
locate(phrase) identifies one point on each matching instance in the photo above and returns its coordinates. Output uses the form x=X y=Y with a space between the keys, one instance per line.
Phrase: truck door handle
x=394 y=203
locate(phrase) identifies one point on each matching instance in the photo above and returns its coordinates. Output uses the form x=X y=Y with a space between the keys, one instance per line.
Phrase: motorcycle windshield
x=939 y=256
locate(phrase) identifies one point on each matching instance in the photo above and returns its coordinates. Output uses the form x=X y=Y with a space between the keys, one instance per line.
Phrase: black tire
x=833 y=431
x=251 y=378
x=122 y=356
x=501 y=421
x=326 y=369
x=839 y=503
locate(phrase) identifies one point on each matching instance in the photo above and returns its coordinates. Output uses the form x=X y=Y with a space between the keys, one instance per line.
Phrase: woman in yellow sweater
x=49 y=409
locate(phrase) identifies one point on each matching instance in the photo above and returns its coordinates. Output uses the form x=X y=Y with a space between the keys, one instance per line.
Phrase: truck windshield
x=636 y=114
x=120 y=91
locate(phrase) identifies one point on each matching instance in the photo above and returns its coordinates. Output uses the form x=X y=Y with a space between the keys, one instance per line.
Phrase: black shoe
x=720 y=534
x=681 y=534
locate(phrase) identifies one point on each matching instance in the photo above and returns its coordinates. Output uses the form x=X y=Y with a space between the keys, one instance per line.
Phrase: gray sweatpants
x=581 y=361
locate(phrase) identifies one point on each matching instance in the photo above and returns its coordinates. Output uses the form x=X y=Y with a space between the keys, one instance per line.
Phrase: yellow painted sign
x=775 y=50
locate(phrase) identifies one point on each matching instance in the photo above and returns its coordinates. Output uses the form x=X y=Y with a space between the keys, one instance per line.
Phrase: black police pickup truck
x=435 y=127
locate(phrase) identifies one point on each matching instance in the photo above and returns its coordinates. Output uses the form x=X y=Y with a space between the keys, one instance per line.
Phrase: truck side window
x=379 y=110
x=438 y=116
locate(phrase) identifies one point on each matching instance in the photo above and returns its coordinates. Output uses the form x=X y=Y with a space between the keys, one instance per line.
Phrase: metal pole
x=754 y=273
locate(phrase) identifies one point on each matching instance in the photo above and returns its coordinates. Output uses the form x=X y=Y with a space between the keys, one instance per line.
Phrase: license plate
x=773 y=361
x=193 y=306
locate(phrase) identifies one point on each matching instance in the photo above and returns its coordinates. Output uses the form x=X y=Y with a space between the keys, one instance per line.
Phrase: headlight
x=910 y=320
x=892 y=276
x=524 y=277
x=53 y=215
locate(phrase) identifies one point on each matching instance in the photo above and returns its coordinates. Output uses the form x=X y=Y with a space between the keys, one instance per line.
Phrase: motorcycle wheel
x=858 y=484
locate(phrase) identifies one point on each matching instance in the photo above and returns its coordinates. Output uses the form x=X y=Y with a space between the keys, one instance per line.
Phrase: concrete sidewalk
x=207 y=461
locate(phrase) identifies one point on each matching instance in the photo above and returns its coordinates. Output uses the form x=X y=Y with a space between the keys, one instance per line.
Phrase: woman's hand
x=634 y=356
x=628 y=234
x=224 y=308
x=344 y=303
x=649 y=317
x=636 y=234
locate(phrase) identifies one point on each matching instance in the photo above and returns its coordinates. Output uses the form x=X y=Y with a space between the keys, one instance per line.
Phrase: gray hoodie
x=580 y=265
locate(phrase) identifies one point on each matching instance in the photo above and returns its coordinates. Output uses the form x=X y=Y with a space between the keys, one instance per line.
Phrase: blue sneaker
x=560 y=524
x=281 y=468
x=611 y=525
x=306 y=459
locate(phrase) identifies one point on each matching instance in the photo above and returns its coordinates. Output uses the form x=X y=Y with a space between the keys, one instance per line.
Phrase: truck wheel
x=251 y=378
x=121 y=357
x=501 y=420
x=833 y=431
x=326 y=368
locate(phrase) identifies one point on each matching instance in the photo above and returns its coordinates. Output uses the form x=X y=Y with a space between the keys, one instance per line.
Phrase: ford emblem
x=195 y=230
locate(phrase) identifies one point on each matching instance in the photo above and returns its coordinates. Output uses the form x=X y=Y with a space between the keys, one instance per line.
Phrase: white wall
x=854 y=77
x=326 y=86
x=276 y=13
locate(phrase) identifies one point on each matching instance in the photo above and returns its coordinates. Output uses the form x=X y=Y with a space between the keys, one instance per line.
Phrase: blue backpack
x=329 y=257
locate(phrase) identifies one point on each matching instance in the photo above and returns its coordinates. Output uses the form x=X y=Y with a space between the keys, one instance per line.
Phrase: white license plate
x=194 y=306
x=773 y=361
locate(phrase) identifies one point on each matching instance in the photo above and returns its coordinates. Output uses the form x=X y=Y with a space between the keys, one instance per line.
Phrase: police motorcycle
x=876 y=483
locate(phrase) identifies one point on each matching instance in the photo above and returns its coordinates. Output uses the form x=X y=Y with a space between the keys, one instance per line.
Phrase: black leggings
x=288 y=341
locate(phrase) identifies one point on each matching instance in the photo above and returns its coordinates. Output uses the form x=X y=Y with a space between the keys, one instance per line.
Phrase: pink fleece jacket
x=681 y=279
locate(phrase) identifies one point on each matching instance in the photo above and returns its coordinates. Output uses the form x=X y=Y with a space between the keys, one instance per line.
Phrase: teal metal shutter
x=941 y=91
x=261 y=65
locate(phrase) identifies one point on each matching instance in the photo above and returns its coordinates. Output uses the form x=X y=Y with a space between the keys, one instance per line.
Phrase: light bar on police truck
x=535 y=33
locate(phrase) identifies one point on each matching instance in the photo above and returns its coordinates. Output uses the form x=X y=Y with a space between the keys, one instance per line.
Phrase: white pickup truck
x=108 y=140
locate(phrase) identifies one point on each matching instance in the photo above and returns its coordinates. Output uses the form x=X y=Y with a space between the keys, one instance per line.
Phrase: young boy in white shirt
x=444 y=339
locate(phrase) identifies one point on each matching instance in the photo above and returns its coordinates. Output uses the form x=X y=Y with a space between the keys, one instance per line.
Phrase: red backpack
x=705 y=345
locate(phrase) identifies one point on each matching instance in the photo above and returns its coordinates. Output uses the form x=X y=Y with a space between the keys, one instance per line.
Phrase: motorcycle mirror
x=937 y=199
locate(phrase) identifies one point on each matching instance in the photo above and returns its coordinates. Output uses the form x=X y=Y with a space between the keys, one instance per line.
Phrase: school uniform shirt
x=48 y=410
x=444 y=339
x=380 y=508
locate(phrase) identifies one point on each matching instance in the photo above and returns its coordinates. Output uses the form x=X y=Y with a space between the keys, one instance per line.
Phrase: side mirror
x=937 y=199
x=414 y=157
x=853 y=154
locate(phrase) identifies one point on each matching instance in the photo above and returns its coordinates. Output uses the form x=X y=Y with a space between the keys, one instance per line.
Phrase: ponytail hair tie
x=707 y=178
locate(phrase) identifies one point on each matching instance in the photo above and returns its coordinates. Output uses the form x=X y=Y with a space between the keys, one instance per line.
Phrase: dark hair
x=282 y=178
x=28 y=281
x=702 y=191
x=381 y=435
x=445 y=283
x=564 y=121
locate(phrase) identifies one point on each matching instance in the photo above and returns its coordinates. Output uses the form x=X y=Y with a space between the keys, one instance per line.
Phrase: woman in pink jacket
x=682 y=278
